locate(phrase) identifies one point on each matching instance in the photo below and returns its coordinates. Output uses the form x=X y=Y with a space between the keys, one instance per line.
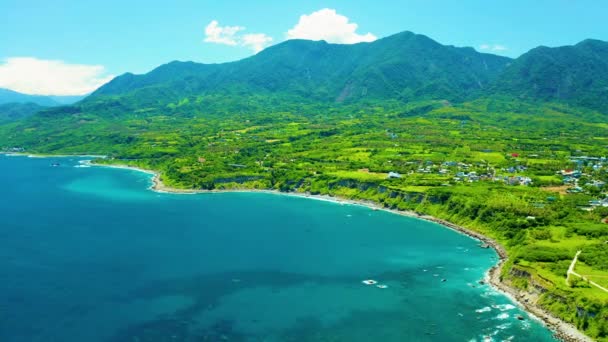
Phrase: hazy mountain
x=10 y=96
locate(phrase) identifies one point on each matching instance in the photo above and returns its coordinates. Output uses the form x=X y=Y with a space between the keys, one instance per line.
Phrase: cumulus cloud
x=330 y=26
x=31 y=75
x=493 y=47
x=256 y=41
x=214 y=33
x=325 y=24
x=230 y=35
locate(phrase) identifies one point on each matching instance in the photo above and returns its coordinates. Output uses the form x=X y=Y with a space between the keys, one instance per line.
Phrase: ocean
x=91 y=254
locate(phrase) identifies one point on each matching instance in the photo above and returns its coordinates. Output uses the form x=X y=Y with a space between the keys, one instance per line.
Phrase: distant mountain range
x=10 y=96
x=15 y=105
x=404 y=67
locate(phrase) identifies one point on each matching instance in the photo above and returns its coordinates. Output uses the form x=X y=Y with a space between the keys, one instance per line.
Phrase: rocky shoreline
x=563 y=331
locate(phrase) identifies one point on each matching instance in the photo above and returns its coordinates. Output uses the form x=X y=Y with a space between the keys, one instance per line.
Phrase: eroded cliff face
x=540 y=297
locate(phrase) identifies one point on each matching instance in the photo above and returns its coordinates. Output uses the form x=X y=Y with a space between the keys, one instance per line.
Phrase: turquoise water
x=89 y=254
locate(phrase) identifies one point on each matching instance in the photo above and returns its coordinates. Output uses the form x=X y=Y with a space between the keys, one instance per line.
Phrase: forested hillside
x=17 y=111
x=572 y=74
x=404 y=66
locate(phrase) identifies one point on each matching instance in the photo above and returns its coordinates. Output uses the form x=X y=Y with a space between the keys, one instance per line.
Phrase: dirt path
x=571 y=271
x=571 y=268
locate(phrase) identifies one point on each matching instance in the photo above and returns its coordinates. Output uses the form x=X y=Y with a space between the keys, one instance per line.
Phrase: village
x=586 y=175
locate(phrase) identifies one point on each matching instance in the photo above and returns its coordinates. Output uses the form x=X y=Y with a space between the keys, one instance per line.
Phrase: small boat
x=370 y=282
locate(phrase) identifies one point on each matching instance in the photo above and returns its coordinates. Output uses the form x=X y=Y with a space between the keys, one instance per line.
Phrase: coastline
x=33 y=155
x=562 y=330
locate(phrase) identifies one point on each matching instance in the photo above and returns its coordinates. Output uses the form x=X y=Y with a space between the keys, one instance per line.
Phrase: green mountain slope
x=573 y=74
x=404 y=66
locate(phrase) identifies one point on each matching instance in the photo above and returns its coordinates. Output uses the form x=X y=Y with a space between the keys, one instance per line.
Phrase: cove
x=90 y=254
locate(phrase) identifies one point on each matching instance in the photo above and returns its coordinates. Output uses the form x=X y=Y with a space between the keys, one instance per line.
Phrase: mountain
x=404 y=66
x=10 y=96
x=577 y=75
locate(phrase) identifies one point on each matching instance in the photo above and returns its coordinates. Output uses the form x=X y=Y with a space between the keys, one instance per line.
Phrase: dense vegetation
x=404 y=66
x=575 y=74
x=317 y=118
x=17 y=111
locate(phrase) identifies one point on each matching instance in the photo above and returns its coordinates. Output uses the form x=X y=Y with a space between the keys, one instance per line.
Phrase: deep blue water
x=89 y=254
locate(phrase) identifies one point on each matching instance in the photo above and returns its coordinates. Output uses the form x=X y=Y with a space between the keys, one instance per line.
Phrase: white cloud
x=229 y=35
x=30 y=75
x=325 y=24
x=214 y=33
x=256 y=41
x=330 y=26
x=493 y=47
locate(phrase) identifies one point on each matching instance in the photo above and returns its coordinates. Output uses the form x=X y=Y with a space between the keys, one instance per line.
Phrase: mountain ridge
x=405 y=65
x=575 y=74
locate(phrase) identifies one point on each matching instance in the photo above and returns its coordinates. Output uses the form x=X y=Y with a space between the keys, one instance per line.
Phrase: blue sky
x=80 y=44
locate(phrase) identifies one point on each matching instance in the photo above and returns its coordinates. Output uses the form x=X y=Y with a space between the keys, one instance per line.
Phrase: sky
x=71 y=47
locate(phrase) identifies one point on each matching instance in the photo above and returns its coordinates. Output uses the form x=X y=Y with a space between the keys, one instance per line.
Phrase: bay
x=90 y=254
